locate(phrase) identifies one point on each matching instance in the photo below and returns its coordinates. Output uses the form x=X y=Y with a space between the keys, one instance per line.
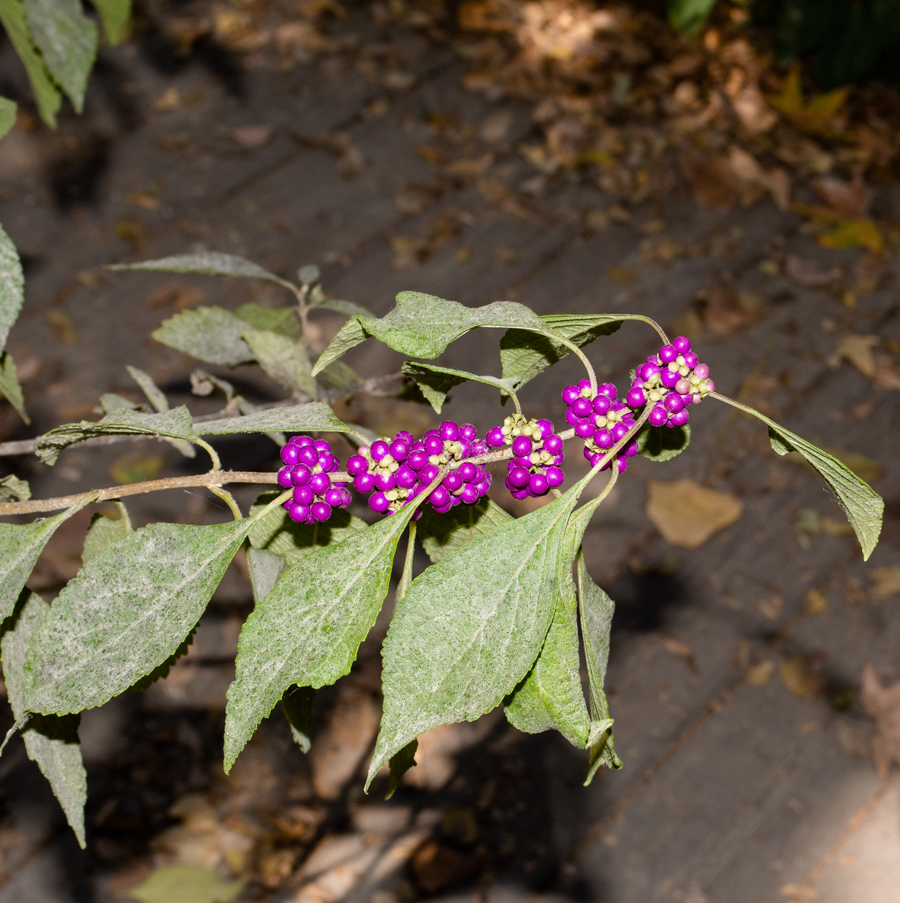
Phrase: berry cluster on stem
x=308 y=466
x=537 y=453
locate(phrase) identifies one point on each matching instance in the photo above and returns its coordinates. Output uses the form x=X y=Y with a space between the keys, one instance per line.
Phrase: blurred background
x=727 y=168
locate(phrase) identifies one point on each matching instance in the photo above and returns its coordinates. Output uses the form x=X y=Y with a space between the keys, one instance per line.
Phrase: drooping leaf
x=423 y=325
x=47 y=95
x=525 y=355
x=276 y=532
x=265 y=569
x=302 y=418
x=210 y=334
x=596 y=611
x=110 y=402
x=208 y=263
x=126 y=612
x=862 y=505
x=20 y=546
x=284 y=359
x=104 y=532
x=436 y=382
x=400 y=763
x=185 y=884
x=662 y=443
x=12 y=489
x=442 y=533
x=8 y=110
x=204 y=383
x=9 y=386
x=115 y=15
x=350 y=308
x=308 y=629
x=50 y=741
x=297 y=705
x=689 y=16
x=67 y=40
x=154 y=394
x=282 y=320
x=341 y=376
x=470 y=627
x=12 y=286
x=175 y=424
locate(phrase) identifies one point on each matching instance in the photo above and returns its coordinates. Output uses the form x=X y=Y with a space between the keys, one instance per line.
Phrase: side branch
x=213 y=478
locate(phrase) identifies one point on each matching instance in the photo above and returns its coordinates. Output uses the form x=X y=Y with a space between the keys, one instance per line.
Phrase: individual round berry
x=284 y=477
x=519 y=477
x=468 y=432
x=538 y=485
x=581 y=407
x=449 y=431
x=440 y=497
x=683 y=386
x=710 y=386
x=303 y=495
x=520 y=494
x=682 y=344
x=379 y=449
x=570 y=393
x=327 y=462
x=300 y=474
x=429 y=473
x=600 y=405
x=494 y=437
x=297 y=513
x=308 y=455
x=690 y=359
x=669 y=378
x=469 y=494
x=378 y=502
x=584 y=429
x=701 y=371
x=609 y=390
x=658 y=416
x=364 y=482
x=555 y=476
x=619 y=431
x=546 y=428
x=673 y=403
x=322 y=445
x=399 y=449
x=571 y=417
x=604 y=439
x=385 y=482
x=667 y=354
x=320 y=483
x=522 y=445
x=289 y=454
x=434 y=445
x=335 y=497
x=680 y=418
x=357 y=464
x=622 y=464
x=635 y=398
x=631 y=449
x=453 y=481
x=405 y=477
x=300 y=441
x=649 y=370
x=406 y=436
x=553 y=444
x=479 y=447
x=469 y=471
x=417 y=458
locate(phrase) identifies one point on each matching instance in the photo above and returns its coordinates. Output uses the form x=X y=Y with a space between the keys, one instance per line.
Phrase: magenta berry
x=284 y=477
x=667 y=354
x=570 y=393
x=682 y=344
x=449 y=430
x=522 y=445
x=357 y=464
x=635 y=398
x=364 y=482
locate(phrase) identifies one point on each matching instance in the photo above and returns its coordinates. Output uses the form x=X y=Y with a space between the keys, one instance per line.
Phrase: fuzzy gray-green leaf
x=210 y=334
x=67 y=40
x=9 y=386
x=126 y=612
x=8 y=111
x=283 y=320
x=208 y=263
x=307 y=630
x=20 y=547
x=104 y=532
x=436 y=382
x=175 y=424
x=50 y=741
x=13 y=489
x=470 y=627
x=282 y=358
x=662 y=443
x=349 y=336
x=302 y=418
x=115 y=15
x=525 y=355
x=442 y=533
x=12 y=286
x=265 y=569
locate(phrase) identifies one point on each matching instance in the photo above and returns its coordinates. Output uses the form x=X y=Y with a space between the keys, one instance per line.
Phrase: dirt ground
x=483 y=153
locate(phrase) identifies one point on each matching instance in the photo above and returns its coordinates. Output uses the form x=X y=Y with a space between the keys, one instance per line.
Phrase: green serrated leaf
x=12 y=489
x=662 y=443
x=350 y=308
x=282 y=320
x=400 y=764
x=154 y=394
x=10 y=388
x=12 y=286
x=265 y=570
x=110 y=402
x=341 y=376
x=105 y=531
x=161 y=671
x=443 y=533
x=423 y=325
x=308 y=629
x=525 y=355
x=470 y=627
x=50 y=741
x=284 y=359
x=174 y=424
x=314 y=417
x=210 y=334
x=67 y=40
x=297 y=705
x=8 y=111
x=862 y=505
x=126 y=612
x=20 y=547
x=207 y=263
x=276 y=532
x=115 y=15
x=47 y=95
x=436 y=382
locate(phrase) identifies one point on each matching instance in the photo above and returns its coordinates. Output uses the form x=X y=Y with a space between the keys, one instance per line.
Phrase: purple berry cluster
x=307 y=465
x=671 y=381
x=600 y=419
x=396 y=471
x=537 y=453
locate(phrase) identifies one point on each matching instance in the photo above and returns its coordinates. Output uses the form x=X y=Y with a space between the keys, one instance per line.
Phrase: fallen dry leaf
x=858 y=350
x=850 y=200
x=726 y=311
x=808 y=274
x=711 y=178
x=800 y=679
x=759 y=675
x=251 y=137
x=688 y=514
x=815 y=603
x=681 y=650
x=885 y=582
x=799 y=892
x=619 y=275
x=883 y=704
